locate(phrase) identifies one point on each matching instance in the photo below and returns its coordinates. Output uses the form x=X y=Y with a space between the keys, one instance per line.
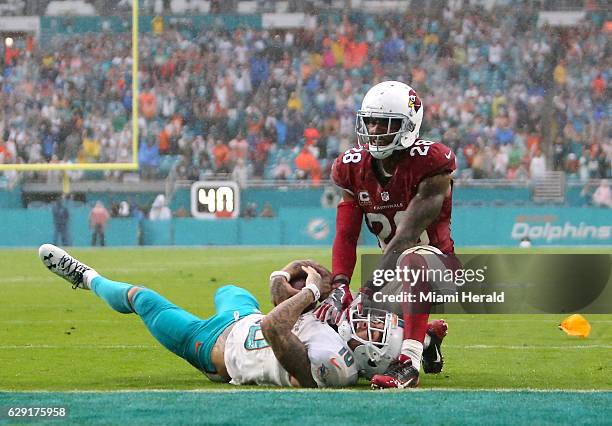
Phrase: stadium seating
x=300 y=78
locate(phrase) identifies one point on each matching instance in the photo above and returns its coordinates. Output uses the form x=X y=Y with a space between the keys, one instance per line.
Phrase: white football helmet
x=421 y=249
x=373 y=355
x=392 y=100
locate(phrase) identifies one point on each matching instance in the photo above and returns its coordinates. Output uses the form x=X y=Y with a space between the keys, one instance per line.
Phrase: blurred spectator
x=282 y=171
x=538 y=165
x=91 y=148
x=221 y=152
x=239 y=174
x=525 y=242
x=266 y=211
x=250 y=211
x=139 y=215
x=602 y=197
x=312 y=139
x=124 y=209
x=61 y=222
x=98 y=218
x=137 y=212
x=5 y=154
x=184 y=170
x=148 y=159
x=159 y=210
x=239 y=147
x=307 y=166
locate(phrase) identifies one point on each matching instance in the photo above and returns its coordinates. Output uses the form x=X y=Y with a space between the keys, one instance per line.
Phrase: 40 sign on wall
x=215 y=199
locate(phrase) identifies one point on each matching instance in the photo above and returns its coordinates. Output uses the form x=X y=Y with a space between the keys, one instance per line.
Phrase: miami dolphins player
x=238 y=344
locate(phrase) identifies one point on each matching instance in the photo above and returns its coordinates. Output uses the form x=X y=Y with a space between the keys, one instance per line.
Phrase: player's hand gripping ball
x=298 y=275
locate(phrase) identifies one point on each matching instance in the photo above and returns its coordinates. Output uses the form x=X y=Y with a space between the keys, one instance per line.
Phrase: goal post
x=134 y=85
x=133 y=165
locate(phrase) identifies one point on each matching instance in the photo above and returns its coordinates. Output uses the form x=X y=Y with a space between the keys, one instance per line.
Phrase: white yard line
x=93 y=346
x=237 y=389
x=65 y=321
x=527 y=347
x=493 y=319
x=96 y=347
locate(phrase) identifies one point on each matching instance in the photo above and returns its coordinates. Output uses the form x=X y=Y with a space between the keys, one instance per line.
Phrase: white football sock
x=414 y=350
x=427 y=341
x=88 y=276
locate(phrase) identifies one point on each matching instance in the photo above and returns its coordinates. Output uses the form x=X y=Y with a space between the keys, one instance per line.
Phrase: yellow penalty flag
x=576 y=325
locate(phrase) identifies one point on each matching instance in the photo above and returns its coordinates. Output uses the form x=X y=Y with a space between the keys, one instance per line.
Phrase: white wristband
x=275 y=274
x=315 y=291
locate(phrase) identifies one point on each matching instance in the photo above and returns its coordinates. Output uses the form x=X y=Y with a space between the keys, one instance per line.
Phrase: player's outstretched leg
x=82 y=276
x=173 y=327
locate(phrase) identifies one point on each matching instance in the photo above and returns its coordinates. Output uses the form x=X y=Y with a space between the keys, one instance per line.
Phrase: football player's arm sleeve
x=288 y=349
x=348 y=226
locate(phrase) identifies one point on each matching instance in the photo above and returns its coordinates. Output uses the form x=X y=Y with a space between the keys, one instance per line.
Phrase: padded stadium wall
x=472 y=226
x=309 y=197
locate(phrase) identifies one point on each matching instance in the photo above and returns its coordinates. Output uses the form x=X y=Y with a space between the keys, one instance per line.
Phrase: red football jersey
x=384 y=205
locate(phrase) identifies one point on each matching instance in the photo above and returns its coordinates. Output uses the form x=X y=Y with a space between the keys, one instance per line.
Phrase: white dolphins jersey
x=250 y=360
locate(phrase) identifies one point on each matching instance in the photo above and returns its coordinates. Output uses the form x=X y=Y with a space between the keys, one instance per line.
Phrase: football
x=298 y=282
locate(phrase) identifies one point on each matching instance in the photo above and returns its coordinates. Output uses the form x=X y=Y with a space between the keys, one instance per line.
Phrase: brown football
x=298 y=282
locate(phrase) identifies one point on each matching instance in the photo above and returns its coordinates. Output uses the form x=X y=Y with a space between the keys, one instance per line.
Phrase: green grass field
x=54 y=339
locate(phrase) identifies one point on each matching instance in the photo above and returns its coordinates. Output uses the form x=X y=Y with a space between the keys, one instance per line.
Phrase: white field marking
x=146 y=267
x=238 y=389
x=495 y=320
x=85 y=320
x=82 y=320
x=245 y=247
x=209 y=261
x=528 y=347
x=16 y=279
x=65 y=321
x=92 y=346
x=96 y=347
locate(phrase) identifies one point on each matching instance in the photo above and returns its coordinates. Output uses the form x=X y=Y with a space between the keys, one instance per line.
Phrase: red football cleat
x=400 y=374
x=433 y=361
x=438 y=327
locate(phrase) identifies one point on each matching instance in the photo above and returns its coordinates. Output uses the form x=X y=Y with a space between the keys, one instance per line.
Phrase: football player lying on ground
x=374 y=335
x=238 y=344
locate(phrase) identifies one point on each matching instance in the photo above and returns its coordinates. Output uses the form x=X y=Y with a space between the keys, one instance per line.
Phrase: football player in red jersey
x=402 y=185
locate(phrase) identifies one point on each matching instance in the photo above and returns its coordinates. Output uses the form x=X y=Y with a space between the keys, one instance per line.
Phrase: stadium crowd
x=259 y=104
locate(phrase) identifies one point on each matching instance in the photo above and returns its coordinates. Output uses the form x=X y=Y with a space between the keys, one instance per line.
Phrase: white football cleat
x=63 y=265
